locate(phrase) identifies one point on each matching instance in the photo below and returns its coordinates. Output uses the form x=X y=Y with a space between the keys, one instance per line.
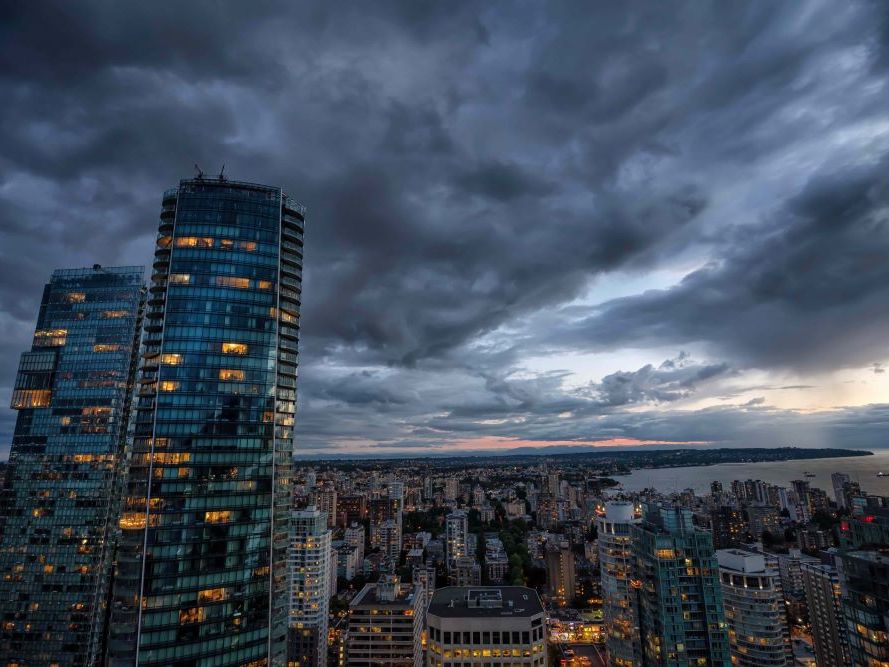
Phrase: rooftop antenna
x=199 y=173
x=222 y=172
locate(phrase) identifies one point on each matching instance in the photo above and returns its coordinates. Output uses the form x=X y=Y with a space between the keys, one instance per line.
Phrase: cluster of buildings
x=750 y=575
x=152 y=512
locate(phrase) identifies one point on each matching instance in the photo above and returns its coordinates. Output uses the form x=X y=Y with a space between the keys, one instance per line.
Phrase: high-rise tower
x=681 y=617
x=754 y=609
x=617 y=565
x=202 y=567
x=72 y=394
x=310 y=571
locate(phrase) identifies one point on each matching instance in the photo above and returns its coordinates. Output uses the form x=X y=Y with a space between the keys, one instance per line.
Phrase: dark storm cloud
x=808 y=288
x=468 y=168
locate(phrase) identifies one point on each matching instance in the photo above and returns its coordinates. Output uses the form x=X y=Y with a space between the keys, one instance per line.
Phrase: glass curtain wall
x=202 y=567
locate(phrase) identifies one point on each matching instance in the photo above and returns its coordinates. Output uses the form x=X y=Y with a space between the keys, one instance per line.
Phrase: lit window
x=211 y=595
x=194 y=242
x=231 y=281
x=195 y=615
x=249 y=246
x=287 y=317
x=264 y=284
x=174 y=458
x=50 y=337
x=75 y=297
x=105 y=347
x=169 y=385
x=218 y=517
x=164 y=241
x=230 y=374
x=171 y=359
x=132 y=520
x=23 y=399
x=180 y=278
x=234 y=348
x=114 y=314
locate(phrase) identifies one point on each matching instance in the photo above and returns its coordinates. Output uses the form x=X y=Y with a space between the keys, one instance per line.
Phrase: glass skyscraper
x=72 y=394
x=681 y=616
x=201 y=576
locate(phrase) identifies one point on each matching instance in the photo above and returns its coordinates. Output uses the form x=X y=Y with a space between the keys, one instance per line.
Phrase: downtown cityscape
x=444 y=335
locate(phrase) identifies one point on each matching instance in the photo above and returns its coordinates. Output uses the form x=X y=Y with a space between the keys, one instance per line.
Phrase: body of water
x=862 y=469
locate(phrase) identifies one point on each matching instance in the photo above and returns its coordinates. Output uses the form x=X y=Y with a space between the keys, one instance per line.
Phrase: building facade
x=72 y=394
x=486 y=626
x=202 y=566
x=385 y=621
x=310 y=571
x=754 y=609
x=560 y=573
x=681 y=617
x=824 y=601
x=456 y=536
x=617 y=563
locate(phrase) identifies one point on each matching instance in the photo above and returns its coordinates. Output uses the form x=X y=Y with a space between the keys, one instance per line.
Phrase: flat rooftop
x=485 y=602
x=368 y=596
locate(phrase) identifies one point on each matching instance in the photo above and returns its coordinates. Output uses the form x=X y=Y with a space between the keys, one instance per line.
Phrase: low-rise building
x=486 y=625
x=384 y=625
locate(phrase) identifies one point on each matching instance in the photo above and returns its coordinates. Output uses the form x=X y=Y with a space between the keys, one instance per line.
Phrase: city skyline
x=643 y=225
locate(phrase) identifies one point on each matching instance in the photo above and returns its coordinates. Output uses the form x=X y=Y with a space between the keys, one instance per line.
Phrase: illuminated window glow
x=50 y=337
x=114 y=314
x=180 y=278
x=223 y=516
x=230 y=374
x=211 y=595
x=234 y=348
x=171 y=359
x=194 y=242
x=24 y=399
x=168 y=385
x=232 y=281
x=106 y=347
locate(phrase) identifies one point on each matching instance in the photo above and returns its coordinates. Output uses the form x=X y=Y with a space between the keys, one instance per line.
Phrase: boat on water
x=882 y=474
x=810 y=474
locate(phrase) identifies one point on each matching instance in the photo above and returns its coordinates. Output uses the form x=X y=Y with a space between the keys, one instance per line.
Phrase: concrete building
x=838 y=480
x=327 y=503
x=354 y=535
x=560 y=575
x=486 y=626
x=465 y=571
x=385 y=625
x=456 y=536
x=616 y=564
x=754 y=609
x=728 y=527
x=824 y=601
x=309 y=560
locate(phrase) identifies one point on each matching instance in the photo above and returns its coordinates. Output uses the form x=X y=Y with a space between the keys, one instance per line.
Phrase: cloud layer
x=497 y=194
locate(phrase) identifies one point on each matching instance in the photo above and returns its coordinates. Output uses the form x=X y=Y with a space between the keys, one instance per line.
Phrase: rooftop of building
x=485 y=601
x=381 y=594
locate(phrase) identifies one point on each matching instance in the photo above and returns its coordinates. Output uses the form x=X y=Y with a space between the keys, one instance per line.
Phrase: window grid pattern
x=209 y=481
x=72 y=392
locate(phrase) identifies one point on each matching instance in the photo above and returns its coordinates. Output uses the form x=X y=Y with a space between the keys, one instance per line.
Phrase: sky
x=529 y=224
